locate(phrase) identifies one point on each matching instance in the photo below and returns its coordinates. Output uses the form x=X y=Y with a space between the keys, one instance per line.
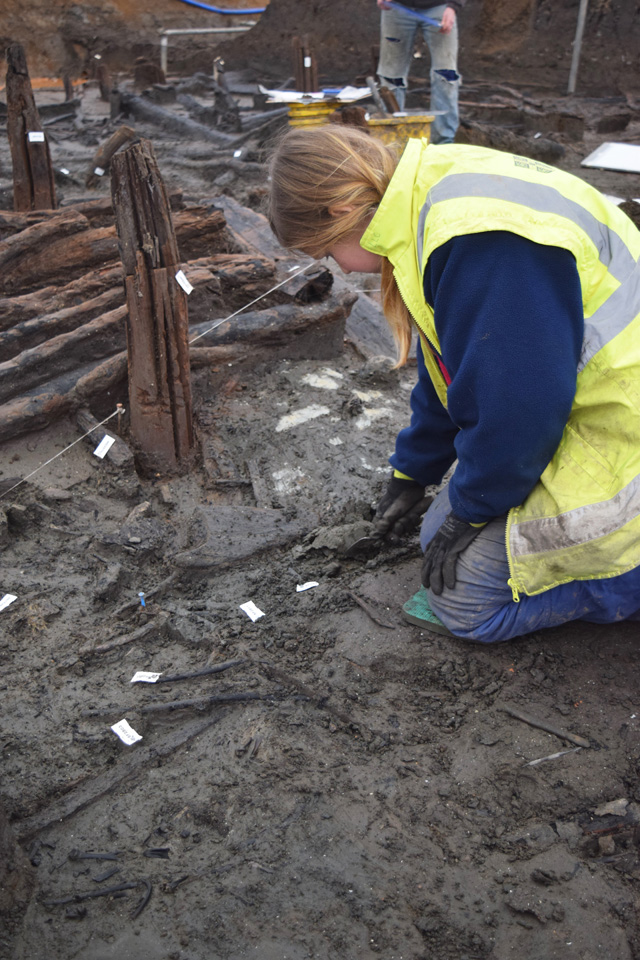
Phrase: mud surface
x=335 y=783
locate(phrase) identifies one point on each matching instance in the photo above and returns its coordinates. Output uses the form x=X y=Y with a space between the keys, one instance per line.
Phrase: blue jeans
x=480 y=606
x=397 y=34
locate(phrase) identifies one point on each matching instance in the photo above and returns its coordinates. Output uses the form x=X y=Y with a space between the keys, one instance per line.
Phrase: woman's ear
x=342 y=210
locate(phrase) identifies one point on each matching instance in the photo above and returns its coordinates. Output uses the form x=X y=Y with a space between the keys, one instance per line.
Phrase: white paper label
x=104 y=446
x=6 y=600
x=184 y=283
x=251 y=610
x=125 y=731
x=307 y=61
x=36 y=136
x=143 y=677
x=237 y=153
x=99 y=172
x=306 y=586
x=65 y=171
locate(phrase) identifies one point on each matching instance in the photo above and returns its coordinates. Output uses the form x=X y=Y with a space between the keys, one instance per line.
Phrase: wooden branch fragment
x=369 y=611
x=155 y=626
x=104 y=153
x=33 y=178
x=205 y=672
x=132 y=765
x=547 y=727
x=320 y=700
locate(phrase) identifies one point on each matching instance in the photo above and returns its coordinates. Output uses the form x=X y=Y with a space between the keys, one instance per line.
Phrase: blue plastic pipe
x=413 y=13
x=207 y=6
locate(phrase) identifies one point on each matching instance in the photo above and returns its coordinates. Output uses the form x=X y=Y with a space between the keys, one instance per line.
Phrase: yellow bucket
x=311 y=114
x=400 y=129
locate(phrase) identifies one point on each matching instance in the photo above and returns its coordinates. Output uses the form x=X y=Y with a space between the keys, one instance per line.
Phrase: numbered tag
x=6 y=600
x=184 y=283
x=251 y=610
x=36 y=136
x=99 y=172
x=125 y=731
x=104 y=446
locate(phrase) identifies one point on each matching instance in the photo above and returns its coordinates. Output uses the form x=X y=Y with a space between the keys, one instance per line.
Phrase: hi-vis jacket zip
x=582 y=519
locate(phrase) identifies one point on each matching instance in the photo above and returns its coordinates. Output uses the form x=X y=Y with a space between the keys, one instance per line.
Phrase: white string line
x=247 y=305
x=47 y=462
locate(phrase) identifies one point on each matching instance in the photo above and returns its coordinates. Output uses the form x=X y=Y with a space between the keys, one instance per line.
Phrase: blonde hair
x=316 y=172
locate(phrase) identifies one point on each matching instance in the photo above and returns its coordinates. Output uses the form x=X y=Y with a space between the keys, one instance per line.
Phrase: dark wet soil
x=328 y=781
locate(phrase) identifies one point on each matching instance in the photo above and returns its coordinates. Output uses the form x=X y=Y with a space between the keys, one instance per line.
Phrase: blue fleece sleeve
x=424 y=450
x=508 y=314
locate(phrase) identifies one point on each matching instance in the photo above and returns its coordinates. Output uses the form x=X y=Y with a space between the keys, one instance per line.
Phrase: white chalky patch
x=301 y=416
x=370 y=416
x=367 y=396
x=287 y=479
x=320 y=382
x=336 y=441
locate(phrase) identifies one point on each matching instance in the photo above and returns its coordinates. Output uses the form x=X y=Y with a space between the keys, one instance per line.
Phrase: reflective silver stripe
x=579 y=526
x=607 y=321
x=612 y=250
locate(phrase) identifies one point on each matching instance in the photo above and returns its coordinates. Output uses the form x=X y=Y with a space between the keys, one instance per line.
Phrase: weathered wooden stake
x=33 y=181
x=157 y=323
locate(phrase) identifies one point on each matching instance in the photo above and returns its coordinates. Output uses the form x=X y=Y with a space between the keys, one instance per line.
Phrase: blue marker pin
x=141 y=595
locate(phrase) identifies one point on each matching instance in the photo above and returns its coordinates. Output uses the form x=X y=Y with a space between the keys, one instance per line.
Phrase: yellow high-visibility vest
x=582 y=519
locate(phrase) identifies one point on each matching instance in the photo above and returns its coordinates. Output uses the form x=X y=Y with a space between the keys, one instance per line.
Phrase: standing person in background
x=399 y=23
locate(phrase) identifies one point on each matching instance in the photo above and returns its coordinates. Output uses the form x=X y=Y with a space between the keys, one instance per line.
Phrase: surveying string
x=219 y=323
x=115 y=413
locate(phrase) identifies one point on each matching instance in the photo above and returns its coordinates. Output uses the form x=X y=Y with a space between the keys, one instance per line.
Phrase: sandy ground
x=347 y=785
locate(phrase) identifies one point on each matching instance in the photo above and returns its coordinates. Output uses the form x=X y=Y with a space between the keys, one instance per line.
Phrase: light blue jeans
x=398 y=31
x=480 y=606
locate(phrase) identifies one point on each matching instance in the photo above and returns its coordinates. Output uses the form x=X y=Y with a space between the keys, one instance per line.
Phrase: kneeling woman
x=524 y=285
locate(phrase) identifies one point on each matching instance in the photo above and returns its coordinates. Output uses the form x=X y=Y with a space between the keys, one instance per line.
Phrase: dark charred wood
x=142 y=109
x=33 y=178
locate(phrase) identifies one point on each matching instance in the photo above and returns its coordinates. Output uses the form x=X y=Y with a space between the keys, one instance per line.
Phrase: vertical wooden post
x=33 y=181
x=158 y=322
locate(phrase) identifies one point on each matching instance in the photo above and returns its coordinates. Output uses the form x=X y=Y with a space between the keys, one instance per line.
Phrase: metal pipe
x=164 y=39
x=577 y=44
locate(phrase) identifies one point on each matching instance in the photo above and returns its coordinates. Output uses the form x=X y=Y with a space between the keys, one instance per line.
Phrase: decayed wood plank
x=33 y=180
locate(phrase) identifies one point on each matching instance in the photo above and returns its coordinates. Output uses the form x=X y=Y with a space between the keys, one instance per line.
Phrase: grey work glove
x=441 y=556
x=400 y=508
